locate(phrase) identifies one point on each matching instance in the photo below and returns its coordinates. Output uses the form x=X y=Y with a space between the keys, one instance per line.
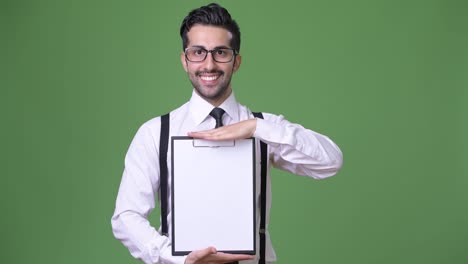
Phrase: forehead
x=209 y=36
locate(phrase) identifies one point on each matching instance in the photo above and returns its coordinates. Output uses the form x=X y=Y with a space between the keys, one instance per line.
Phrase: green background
x=386 y=80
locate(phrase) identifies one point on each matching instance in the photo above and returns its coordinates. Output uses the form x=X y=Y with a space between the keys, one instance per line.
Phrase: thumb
x=206 y=251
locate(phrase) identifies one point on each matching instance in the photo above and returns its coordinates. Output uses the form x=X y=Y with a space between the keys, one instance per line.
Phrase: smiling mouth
x=210 y=76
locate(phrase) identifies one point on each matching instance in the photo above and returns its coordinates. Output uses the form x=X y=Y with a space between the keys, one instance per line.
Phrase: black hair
x=214 y=15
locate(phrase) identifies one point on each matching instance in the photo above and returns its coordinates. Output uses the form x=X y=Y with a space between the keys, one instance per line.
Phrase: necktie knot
x=217 y=113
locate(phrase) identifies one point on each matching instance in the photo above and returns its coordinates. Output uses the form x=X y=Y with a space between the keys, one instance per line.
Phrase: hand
x=241 y=130
x=211 y=256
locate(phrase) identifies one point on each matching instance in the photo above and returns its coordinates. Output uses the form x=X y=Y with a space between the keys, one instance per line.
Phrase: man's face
x=211 y=79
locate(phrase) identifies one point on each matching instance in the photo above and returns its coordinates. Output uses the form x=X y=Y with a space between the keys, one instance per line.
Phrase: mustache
x=198 y=73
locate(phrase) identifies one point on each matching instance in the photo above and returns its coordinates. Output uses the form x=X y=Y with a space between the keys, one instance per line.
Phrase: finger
x=203 y=253
x=201 y=133
x=215 y=134
x=225 y=257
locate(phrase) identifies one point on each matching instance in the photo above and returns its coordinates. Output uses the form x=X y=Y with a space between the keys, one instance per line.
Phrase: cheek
x=232 y=69
x=186 y=68
x=191 y=70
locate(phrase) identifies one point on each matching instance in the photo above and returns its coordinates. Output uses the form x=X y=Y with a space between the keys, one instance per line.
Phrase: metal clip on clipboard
x=213 y=144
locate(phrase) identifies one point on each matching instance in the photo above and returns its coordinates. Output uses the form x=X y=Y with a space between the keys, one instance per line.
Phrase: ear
x=237 y=62
x=183 y=61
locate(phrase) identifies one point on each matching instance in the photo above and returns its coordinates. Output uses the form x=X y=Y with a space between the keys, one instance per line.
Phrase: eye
x=198 y=52
x=220 y=52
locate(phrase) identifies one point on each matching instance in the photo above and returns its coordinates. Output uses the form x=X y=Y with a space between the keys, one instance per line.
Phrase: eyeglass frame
x=234 y=53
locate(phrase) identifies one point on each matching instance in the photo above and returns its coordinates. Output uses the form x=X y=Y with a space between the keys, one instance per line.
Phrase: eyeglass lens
x=199 y=54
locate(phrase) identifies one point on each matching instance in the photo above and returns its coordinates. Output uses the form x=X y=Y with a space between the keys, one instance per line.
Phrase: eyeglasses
x=197 y=54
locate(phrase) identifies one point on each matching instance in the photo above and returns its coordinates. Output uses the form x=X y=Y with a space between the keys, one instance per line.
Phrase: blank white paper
x=213 y=196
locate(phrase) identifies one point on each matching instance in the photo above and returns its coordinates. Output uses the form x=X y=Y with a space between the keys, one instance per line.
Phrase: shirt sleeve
x=136 y=199
x=298 y=150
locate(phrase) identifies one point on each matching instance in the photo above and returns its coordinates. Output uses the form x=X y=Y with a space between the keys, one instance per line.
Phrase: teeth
x=209 y=78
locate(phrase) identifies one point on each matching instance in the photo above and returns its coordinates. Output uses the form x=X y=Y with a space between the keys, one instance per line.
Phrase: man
x=211 y=44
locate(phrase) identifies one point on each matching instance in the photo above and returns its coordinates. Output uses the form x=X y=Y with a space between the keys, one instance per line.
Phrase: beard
x=211 y=92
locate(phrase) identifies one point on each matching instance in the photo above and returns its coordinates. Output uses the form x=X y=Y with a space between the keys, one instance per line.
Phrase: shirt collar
x=200 y=109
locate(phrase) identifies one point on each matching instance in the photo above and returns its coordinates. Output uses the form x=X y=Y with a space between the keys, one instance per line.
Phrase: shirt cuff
x=168 y=258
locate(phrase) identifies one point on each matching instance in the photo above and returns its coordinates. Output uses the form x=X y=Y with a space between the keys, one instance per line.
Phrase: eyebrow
x=217 y=47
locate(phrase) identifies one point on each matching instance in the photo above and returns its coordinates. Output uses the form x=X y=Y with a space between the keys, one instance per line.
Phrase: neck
x=219 y=100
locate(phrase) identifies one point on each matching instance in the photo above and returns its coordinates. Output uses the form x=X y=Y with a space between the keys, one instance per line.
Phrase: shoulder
x=154 y=124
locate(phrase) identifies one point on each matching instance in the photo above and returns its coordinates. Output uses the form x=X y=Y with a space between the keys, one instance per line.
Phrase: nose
x=210 y=63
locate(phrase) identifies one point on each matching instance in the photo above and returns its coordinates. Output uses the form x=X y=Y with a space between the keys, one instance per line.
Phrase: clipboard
x=213 y=195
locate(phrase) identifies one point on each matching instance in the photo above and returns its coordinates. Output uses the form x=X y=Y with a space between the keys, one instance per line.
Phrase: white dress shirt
x=291 y=147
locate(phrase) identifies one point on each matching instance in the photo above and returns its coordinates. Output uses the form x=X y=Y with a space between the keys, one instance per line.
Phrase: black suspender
x=263 y=185
x=163 y=172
